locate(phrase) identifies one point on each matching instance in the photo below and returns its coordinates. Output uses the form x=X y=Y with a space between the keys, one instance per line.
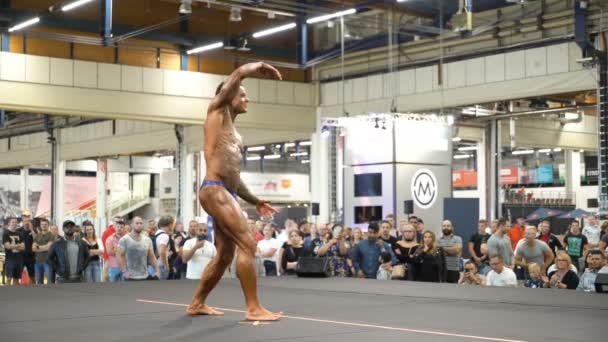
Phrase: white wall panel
x=536 y=62
x=252 y=87
x=557 y=58
x=329 y=92
x=348 y=91
x=153 y=80
x=12 y=67
x=62 y=72
x=407 y=82
x=109 y=76
x=4 y=145
x=391 y=84
x=374 y=90
x=286 y=93
x=85 y=74
x=476 y=73
x=457 y=74
x=303 y=94
x=360 y=89
x=132 y=78
x=495 y=68
x=268 y=91
x=515 y=66
x=193 y=83
x=574 y=53
x=37 y=69
x=173 y=83
x=424 y=79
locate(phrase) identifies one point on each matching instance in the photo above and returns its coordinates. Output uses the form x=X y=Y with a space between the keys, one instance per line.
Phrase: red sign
x=464 y=178
x=509 y=175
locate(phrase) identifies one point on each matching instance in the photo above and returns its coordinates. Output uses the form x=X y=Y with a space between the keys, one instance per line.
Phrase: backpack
x=170 y=245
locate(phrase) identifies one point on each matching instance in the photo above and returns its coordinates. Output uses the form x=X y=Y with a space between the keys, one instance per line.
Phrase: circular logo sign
x=424 y=188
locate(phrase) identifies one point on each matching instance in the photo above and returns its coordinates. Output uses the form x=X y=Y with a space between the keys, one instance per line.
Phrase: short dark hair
x=88 y=223
x=68 y=224
x=165 y=221
x=44 y=219
x=219 y=88
x=497 y=256
x=385 y=257
x=413 y=217
x=373 y=226
x=502 y=221
x=385 y=221
x=420 y=220
x=8 y=219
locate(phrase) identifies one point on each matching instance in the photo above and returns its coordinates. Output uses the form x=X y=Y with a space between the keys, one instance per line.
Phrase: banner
x=509 y=175
x=544 y=174
x=275 y=186
x=591 y=171
x=464 y=178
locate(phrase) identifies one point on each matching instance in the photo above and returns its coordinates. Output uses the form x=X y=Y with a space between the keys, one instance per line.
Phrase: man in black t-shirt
x=12 y=239
x=385 y=234
x=477 y=240
x=576 y=244
x=29 y=258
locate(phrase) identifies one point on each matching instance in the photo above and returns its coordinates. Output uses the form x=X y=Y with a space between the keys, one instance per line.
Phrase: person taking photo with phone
x=197 y=253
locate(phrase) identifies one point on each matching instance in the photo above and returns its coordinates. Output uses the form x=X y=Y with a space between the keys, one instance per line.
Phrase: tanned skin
x=223 y=150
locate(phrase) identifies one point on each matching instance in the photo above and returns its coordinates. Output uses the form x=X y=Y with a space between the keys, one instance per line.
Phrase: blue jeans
x=43 y=269
x=164 y=273
x=92 y=274
x=115 y=274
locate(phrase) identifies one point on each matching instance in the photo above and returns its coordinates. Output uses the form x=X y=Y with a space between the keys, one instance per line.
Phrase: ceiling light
x=290 y=144
x=557 y=149
x=306 y=161
x=254 y=158
x=235 y=14
x=273 y=156
x=277 y=146
x=205 y=48
x=273 y=30
x=24 y=24
x=467 y=148
x=544 y=150
x=450 y=120
x=256 y=148
x=331 y=16
x=185 y=7
x=462 y=156
x=271 y=15
x=521 y=152
x=74 y=4
x=299 y=154
x=305 y=143
x=456 y=139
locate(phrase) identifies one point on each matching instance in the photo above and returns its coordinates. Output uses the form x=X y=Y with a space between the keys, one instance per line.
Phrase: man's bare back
x=218 y=193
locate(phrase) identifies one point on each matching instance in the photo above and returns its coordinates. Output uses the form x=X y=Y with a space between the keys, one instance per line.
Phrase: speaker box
x=313 y=267
x=315 y=209
x=408 y=207
x=601 y=283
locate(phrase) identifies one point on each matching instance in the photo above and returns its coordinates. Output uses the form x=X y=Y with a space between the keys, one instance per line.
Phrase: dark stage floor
x=324 y=310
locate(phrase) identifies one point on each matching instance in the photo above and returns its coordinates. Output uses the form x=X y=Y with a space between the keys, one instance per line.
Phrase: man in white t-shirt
x=593 y=232
x=500 y=275
x=198 y=252
x=267 y=249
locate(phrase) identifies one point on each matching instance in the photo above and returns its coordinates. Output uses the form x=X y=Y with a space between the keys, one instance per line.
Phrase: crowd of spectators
x=500 y=254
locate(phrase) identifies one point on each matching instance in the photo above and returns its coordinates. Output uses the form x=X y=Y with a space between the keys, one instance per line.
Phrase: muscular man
x=219 y=191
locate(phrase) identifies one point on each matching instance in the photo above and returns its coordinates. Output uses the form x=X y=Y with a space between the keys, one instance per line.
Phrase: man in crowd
x=413 y=220
x=479 y=238
x=500 y=275
x=111 y=230
x=165 y=246
x=604 y=244
x=135 y=251
x=470 y=275
x=516 y=232
x=14 y=245
x=29 y=259
x=197 y=253
x=530 y=250
x=258 y=236
x=304 y=227
x=452 y=249
x=151 y=230
x=500 y=244
x=592 y=232
x=365 y=254
x=69 y=256
x=551 y=240
x=114 y=271
x=385 y=234
x=179 y=230
x=575 y=243
x=42 y=244
x=179 y=264
x=595 y=261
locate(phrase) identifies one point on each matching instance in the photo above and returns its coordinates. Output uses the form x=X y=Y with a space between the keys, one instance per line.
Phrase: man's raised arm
x=244 y=193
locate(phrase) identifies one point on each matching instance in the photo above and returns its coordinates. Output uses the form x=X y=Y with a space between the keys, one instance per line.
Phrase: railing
x=539 y=197
x=125 y=203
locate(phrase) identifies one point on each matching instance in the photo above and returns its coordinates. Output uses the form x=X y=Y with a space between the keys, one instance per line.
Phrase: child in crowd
x=535 y=281
x=384 y=271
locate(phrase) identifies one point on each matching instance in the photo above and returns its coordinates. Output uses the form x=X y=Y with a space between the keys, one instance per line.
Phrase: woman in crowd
x=563 y=277
x=429 y=262
x=267 y=249
x=291 y=251
x=92 y=274
x=356 y=237
x=405 y=250
x=336 y=250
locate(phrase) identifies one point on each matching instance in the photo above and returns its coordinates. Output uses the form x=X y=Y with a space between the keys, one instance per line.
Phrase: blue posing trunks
x=220 y=183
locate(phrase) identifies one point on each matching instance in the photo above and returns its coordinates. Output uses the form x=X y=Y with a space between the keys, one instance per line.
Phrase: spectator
x=335 y=250
x=563 y=277
x=258 y=236
x=575 y=244
x=282 y=235
x=470 y=275
x=386 y=234
x=42 y=245
x=135 y=251
x=479 y=238
x=267 y=249
x=500 y=275
x=500 y=244
x=14 y=245
x=292 y=250
x=69 y=256
x=420 y=225
x=92 y=274
x=452 y=249
x=114 y=271
x=179 y=231
x=304 y=228
x=535 y=280
x=551 y=240
x=604 y=243
x=385 y=268
x=55 y=230
x=592 y=232
x=180 y=266
x=530 y=250
x=197 y=253
x=77 y=232
x=104 y=237
x=151 y=230
x=29 y=260
x=429 y=260
x=405 y=250
x=356 y=237
x=595 y=261
x=390 y=218
x=413 y=220
x=516 y=232
x=603 y=229
x=164 y=246
x=127 y=229
x=366 y=253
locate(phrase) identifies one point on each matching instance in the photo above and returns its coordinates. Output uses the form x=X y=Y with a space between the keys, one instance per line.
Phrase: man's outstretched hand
x=265 y=209
x=261 y=69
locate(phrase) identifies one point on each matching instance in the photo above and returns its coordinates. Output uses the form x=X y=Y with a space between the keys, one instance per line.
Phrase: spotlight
x=242 y=45
x=325 y=132
x=377 y=126
x=185 y=7
x=384 y=124
x=235 y=14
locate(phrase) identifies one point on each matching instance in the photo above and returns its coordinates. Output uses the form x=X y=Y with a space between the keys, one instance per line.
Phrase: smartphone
x=202 y=237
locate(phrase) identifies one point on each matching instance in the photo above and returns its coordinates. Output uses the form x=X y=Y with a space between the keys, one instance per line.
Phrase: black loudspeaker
x=601 y=283
x=313 y=267
x=408 y=207
x=315 y=209
x=592 y=203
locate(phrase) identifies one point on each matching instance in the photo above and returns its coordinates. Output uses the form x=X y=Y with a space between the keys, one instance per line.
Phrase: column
x=573 y=176
x=188 y=181
x=23 y=193
x=101 y=202
x=493 y=135
x=58 y=203
x=482 y=185
x=319 y=172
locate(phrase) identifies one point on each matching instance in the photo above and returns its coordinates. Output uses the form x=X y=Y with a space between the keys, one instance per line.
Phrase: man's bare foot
x=202 y=309
x=262 y=314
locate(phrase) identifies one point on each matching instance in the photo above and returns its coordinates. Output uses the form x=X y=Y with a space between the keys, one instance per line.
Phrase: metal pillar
x=101 y=202
x=573 y=175
x=302 y=44
x=183 y=27
x=23 y=186
x=602 y=117
x=106 y=21
x=495 y=162
x=179 y=153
